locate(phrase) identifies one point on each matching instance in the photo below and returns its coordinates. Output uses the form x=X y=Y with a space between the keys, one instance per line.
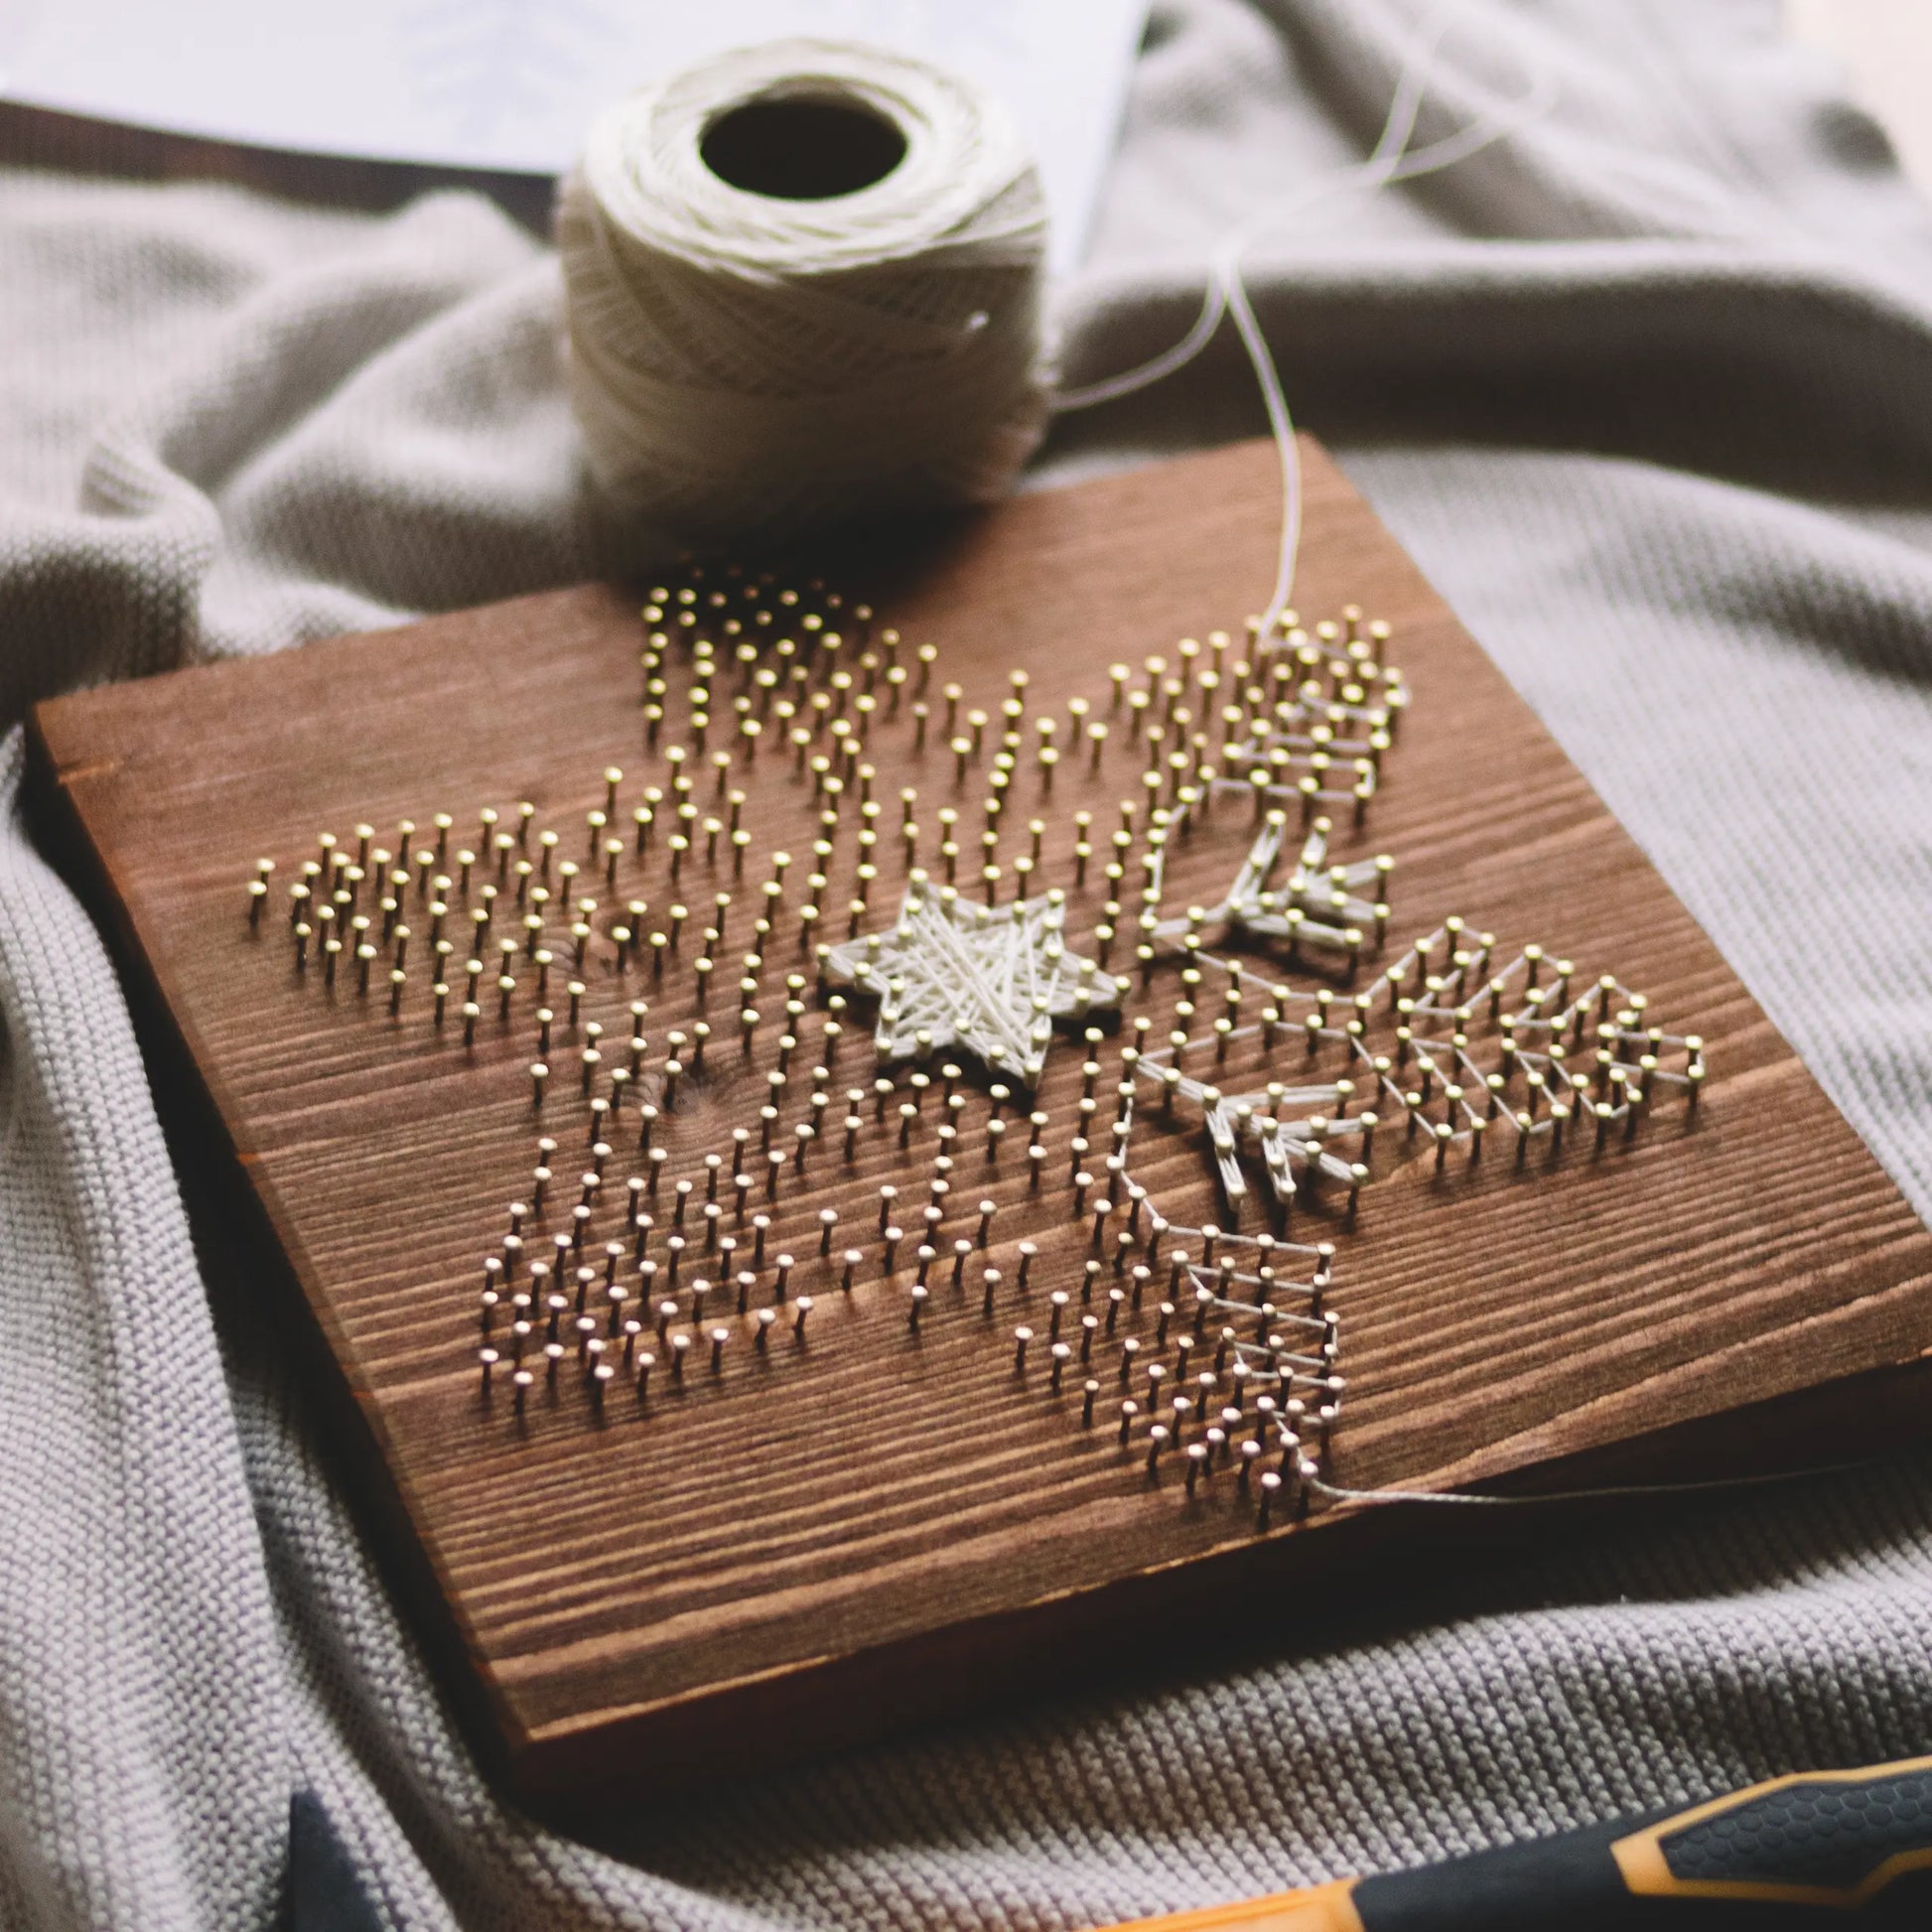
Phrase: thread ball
x=803 y=284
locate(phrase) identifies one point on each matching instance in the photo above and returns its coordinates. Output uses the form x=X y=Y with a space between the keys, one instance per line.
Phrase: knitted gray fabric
x=1648 y=391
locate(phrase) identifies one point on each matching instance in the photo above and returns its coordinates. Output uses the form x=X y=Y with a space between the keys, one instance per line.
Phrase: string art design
x=988 y=980
x=1453 y=1064
x=724 y=1163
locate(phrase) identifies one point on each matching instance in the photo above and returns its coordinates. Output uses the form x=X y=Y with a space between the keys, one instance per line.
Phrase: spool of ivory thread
x=803 y=284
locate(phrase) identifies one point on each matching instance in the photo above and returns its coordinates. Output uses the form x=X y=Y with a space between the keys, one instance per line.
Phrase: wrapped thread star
x=989 y=980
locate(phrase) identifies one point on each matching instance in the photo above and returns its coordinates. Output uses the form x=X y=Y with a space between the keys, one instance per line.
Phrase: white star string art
x=989 y=980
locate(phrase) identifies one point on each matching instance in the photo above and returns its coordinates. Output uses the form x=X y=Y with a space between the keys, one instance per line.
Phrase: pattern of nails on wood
x=678 y=1010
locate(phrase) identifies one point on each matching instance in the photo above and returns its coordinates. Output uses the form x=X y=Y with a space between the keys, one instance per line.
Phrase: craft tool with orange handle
x=1808 y=1849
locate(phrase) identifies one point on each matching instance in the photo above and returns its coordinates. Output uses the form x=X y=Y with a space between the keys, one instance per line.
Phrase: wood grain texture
x=823 y=1543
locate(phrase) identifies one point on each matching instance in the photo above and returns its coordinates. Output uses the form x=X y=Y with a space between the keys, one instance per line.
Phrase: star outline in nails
x=989 y=981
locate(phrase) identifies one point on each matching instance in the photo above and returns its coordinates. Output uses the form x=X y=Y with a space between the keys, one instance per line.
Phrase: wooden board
x=826 y=1540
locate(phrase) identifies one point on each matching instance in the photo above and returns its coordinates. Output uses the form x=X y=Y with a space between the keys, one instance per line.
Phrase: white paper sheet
x=511 y=84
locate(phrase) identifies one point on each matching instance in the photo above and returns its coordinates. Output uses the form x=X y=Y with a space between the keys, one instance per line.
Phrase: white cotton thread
x=746 y=366
x=1392 y=161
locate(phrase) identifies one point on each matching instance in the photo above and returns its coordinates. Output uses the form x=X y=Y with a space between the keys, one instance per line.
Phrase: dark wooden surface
x=824 y=1543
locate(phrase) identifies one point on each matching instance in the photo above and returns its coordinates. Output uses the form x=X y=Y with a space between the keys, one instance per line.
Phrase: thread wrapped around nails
x=861 y=337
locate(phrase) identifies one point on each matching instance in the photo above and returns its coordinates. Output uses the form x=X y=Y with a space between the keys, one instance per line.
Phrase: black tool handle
x=1809 y=1850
